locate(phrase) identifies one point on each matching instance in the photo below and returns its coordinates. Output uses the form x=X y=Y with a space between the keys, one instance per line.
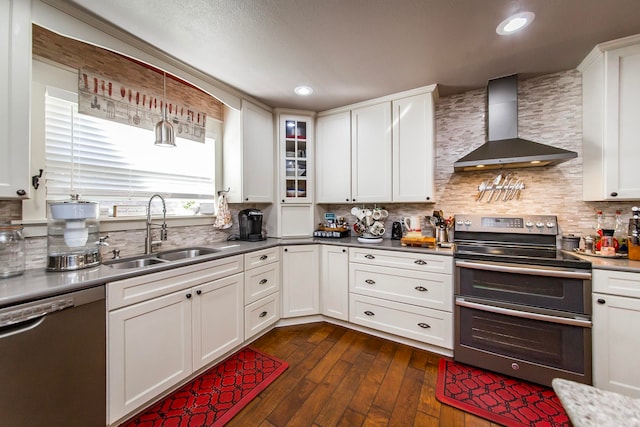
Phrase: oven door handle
x=504 y=268
x=523 y=314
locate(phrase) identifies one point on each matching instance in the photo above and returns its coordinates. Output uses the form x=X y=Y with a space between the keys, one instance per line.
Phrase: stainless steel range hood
x=504 y=149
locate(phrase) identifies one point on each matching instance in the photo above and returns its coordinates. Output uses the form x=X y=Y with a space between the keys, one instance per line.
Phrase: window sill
x=38 y=228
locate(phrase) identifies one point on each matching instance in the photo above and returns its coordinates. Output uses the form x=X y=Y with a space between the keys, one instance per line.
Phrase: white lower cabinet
x=402 y=293
x=616 y=341
x=334 y=282
x=157 y=339
x=261 y=291
x=300 y=280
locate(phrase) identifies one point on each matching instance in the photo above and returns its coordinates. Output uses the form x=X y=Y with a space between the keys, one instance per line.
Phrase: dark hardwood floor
x=341 y=377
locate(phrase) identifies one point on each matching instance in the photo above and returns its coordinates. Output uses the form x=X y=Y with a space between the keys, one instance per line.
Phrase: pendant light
x=165 y=136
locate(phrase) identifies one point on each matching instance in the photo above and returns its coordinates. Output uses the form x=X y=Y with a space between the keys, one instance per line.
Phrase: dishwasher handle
x=24 y=326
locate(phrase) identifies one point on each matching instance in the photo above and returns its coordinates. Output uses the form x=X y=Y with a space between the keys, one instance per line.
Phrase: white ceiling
x=353 y=50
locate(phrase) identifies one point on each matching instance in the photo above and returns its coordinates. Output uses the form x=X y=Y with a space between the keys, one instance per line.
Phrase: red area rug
x=498 y=398
x=217 y=395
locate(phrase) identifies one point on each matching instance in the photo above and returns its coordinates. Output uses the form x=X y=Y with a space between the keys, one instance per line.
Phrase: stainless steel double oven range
x=522 y=307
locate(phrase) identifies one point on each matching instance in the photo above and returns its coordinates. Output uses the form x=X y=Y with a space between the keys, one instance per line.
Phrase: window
x=103 y=160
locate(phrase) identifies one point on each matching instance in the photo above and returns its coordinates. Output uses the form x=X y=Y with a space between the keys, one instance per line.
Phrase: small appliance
x=396 y=231
x=250 y=224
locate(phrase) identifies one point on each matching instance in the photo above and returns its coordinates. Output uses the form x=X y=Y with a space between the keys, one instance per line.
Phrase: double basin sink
x=160 y=257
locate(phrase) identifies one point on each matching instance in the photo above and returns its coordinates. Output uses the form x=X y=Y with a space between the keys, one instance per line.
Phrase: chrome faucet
x=148 y=241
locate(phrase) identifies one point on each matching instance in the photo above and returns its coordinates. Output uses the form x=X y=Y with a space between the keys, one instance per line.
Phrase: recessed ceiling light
x=303 y=90
x=515 y=23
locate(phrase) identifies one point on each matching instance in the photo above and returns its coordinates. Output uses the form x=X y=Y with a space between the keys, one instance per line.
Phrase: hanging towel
x=223 y=217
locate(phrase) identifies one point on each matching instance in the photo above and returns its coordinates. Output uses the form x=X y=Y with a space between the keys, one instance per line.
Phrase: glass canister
x=11 y=250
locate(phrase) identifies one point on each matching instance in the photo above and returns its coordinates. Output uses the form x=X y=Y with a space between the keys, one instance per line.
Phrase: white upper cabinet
x=611 y=108
x=378 y=151
x=295 y=139
x=333 y=158
x=371 y=153
x=248 y=154
x=15 y=98
x=414 y=149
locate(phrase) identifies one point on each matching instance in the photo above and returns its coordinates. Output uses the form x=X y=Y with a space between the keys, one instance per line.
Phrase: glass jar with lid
x=11 y=250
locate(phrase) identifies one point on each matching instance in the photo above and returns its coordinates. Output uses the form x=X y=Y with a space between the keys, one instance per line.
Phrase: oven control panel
x=529 y=224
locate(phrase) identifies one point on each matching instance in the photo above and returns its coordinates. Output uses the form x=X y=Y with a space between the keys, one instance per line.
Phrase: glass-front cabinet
x=296 y=153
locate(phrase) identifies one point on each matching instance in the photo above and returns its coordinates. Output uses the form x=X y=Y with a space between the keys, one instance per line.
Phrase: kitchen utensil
x=496 y=181
x=505 y=189
x=481 y=190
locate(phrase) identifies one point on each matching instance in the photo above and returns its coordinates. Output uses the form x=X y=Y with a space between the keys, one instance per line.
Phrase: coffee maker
x=250 y=224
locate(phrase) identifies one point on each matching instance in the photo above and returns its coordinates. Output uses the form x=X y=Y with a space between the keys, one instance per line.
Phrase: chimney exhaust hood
x=503 y=149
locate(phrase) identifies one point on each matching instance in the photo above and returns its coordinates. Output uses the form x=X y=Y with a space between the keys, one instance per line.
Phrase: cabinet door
x=218 y=315
x=300 y=280
x=15 y=98
x=371 y=153
x=616 y=344
x=622 y=109
x=333 y=158
x=257 y=154
x=413 y=149
x=296 y=153
x=149 y=350
x=334 y=282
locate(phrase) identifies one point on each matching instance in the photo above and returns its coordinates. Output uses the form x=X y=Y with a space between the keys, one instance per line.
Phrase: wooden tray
x=425 y=242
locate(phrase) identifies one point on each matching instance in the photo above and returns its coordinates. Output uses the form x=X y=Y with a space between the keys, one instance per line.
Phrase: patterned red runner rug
x=217 y=395
x=498 y=398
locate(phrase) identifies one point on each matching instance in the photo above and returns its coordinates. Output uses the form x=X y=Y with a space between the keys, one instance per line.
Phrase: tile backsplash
x=550 y=112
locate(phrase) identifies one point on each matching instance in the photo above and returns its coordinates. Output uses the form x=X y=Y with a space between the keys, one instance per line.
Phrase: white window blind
x=102 y=159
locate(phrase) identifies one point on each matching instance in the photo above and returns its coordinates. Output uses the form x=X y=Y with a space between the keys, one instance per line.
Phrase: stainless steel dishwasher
x=52 y=361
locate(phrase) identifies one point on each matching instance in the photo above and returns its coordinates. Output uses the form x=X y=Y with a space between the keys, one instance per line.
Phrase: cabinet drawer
x=405 y=260
x=431 y=290
x=612 y=282
x=141 y=288
x=261 y=281
x=262 y=257
x=261 y=314
x=421 y=324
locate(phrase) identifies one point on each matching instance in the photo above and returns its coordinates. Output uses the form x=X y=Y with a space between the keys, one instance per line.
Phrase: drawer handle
x=424 y=325
x=369 y=313
x=369 y=281
x=420 y=262
x=263 y=257
x=421 y=289
x=264 y=313
x=262 y=282
x=369 y=256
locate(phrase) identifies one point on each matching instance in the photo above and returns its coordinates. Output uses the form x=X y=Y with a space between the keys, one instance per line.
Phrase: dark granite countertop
x=38 y=283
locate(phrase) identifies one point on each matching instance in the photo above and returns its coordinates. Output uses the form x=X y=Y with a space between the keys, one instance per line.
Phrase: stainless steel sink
x=178 y=254
x=133 y=263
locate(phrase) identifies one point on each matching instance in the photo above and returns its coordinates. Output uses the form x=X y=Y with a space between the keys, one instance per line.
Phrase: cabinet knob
x=424 y=325
x=601 y=301
x=262 y=282
x=428 y=198
x=264 y=313
x=353 y=200
x=246 y=199
x=347 y=199
x=21 y=192
x=370 y=282
x=286 y=250
x=199 y=292
x=369 y=313
x=282 y=200
x=614 y=194
x=344 y=250
x=263 y=257
x=188 y=296
x=421 y=289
